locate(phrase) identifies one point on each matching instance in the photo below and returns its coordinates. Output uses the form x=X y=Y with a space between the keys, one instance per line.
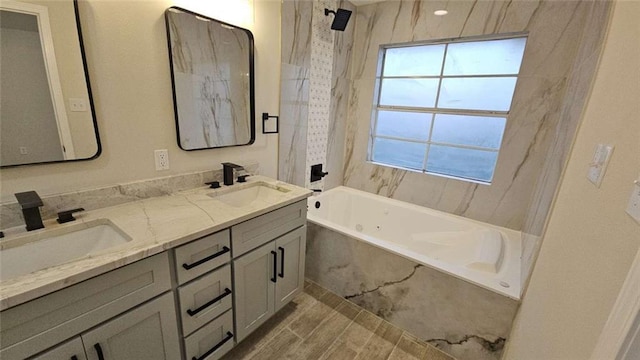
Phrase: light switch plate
x=599 y=164
x=633 y=208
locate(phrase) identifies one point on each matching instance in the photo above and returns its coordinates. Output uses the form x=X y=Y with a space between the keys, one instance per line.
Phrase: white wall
x=127 y=53
x=590 y=240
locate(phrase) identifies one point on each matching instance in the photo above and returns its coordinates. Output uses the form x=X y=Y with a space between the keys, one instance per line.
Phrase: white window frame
x=376 y=107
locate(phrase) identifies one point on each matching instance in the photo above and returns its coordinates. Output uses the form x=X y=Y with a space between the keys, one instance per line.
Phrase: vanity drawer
x=252 y=233
x=203 y=255
x=213 y=340
x=205 y=299
x=42 y=323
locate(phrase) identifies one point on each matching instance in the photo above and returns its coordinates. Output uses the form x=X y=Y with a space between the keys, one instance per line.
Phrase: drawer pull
x=74 y=357
x=99 y=351
x=227 y=292
x=210 y=257
x=281 y=274
x=216 y=347
x=275 y=266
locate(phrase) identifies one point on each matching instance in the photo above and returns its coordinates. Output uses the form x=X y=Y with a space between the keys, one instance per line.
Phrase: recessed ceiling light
x=440 y=12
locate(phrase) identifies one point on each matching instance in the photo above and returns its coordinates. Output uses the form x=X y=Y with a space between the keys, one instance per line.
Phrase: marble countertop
x=154 y=225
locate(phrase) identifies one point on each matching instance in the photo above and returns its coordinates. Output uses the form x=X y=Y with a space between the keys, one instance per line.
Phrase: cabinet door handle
x=281 y=274
x=226 y=292
x=210 y=257
x=74 y=357
x=99 y=351
x=275 y=266
x=216 y=347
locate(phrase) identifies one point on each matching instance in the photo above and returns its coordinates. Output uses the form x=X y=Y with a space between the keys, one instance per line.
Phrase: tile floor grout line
x=394 y=347
x=339 y=335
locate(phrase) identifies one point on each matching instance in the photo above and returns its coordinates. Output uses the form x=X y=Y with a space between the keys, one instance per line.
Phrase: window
x=441 y=108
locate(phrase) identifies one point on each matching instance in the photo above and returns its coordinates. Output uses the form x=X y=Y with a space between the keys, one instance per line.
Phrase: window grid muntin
x=435 y=110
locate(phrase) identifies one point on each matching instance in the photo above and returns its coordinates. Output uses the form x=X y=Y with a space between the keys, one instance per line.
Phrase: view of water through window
x=443 y=108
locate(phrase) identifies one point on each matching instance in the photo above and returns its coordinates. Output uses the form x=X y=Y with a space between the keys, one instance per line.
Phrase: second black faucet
x=227 y=172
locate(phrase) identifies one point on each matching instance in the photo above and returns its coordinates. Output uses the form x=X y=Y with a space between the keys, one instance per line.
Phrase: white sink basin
x=50 y=248
x=246 y=195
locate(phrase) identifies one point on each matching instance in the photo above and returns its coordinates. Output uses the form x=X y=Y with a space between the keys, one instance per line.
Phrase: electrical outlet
x=23 y=150
x=77 y=104
x=162 y=159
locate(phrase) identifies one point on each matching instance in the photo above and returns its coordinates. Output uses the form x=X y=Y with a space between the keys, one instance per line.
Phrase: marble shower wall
x=579 y=85
x=460 y=318
x=554 y=28
x=340 y=84
x=314 y=85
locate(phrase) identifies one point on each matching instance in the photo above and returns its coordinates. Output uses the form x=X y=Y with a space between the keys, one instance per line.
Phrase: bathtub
x=476 y=252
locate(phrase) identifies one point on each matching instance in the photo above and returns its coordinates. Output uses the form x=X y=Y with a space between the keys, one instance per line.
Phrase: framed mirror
x=46 y=108
x=213 y=81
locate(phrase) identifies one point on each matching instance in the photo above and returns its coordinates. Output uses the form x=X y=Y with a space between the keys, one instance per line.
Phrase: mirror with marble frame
x=46 y=108
x=212 y=73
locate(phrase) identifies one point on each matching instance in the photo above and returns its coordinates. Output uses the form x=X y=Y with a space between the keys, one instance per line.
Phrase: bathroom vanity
x=178 y=288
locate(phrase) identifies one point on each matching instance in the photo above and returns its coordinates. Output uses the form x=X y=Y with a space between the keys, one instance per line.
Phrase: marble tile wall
x=320 y=89
x=578 y=87
x=314 y=87
x=462 y=319
x=340 y=84
x=296 y=30
x=554 y=30
x=91 y=199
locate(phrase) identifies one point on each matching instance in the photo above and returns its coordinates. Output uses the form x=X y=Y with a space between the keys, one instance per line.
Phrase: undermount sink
x=44 y=249
x=246 y=195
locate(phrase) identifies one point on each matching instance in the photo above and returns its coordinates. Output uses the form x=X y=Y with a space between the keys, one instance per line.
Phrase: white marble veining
x=554 y=28
x=211 y=81
x=313 y=107
x=294 y=107
x=91 y=199
x=320 y=89
x=340 y=84
x=577 y=92
x=153 y=224
x=462 y=319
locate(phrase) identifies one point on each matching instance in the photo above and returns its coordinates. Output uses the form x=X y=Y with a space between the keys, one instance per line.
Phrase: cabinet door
x=291 y=251
x=71 y=350
x=148 y=332
x=254 y=281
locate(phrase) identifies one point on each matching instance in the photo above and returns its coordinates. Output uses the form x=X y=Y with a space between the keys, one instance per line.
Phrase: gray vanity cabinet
x=267 y=278
x=70 y=350
x=291 y=251
x=147 y=332
x=255 y=289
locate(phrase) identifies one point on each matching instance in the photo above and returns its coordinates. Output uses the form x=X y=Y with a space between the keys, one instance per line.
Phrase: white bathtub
x=483 y=254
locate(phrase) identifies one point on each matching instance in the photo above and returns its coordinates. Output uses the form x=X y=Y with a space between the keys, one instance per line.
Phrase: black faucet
x=227 y=172
x=30 y=203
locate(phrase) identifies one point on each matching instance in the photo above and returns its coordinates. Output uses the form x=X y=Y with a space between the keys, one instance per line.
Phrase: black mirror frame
x=252 y=111
x=91 y=104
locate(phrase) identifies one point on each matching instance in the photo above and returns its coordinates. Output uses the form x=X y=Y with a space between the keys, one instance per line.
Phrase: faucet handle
x=213 y=184
x=67 y=215
x=243 y=178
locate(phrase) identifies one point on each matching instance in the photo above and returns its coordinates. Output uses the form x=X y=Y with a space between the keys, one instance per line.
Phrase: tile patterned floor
x=319 y=324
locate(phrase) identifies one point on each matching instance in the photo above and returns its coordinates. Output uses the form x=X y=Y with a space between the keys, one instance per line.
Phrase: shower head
x=340 y=20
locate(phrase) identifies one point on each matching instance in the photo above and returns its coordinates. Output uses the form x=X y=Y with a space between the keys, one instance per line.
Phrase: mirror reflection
x=212 y=75
x=46 y=112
